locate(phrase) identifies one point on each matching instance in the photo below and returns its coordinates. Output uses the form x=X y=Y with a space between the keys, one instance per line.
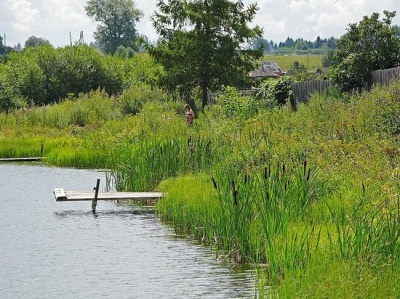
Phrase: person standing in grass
x=189 y=114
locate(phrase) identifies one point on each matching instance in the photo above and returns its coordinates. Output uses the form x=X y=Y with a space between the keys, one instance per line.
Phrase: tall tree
x=34 y=41
x=331 y=43
x=205 y=43
x=117 y=26
x=289 y=42
x=261 y=42
x=368 y=45
x=2 y=48
x=318 y=42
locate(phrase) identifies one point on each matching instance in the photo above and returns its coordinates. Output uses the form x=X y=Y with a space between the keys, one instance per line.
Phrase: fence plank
x=303 y=90
x=384 y=77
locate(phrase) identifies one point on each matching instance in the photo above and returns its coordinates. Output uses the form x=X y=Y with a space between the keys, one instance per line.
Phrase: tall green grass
x=21 y=147
x=144 y=166
x=247 y=216
x=292 y=219
x=367 y=232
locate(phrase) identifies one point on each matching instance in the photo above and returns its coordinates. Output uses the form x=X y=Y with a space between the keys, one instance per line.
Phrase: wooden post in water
x=96 y=193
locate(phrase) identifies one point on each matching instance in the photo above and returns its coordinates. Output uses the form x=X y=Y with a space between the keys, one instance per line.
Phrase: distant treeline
x=299 y=44
x=290 y=45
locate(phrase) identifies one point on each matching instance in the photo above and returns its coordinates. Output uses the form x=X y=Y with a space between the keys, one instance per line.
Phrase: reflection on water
x=117 y=213
x=55 y=249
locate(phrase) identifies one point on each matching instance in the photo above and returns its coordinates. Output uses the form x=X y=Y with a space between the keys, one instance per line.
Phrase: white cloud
x=311 y=18
x=23 y=16
x=68 y=16
x=54 y=19
x=64 y=12
x=146 y=26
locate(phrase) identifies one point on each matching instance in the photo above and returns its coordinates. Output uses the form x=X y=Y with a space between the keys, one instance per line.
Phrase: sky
x=62 y=21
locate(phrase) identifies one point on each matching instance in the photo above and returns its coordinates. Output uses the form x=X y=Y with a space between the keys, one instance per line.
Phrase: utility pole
x=70 y=39
x=307 y=58
x=81 y=39
x=5 y=42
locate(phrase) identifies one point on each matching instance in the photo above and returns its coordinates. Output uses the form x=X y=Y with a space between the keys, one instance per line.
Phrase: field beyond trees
x=312 y=62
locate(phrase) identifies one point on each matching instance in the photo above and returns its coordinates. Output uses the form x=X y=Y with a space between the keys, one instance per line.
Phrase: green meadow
x=309 y=199
x=311 y=61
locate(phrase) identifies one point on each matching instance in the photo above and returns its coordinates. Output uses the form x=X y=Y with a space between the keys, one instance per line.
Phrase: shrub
x=45 y=75
x=275 y=92
x=236 y=106
x=132 y=100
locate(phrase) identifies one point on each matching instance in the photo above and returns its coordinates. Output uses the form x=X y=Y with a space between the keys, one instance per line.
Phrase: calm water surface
x=52 y=249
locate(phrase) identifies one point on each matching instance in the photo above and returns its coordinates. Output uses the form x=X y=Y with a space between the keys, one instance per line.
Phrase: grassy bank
x=310 y=197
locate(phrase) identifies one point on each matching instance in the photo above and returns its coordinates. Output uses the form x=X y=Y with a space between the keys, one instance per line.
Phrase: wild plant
x=145 y=165
x=255 y=211
x=367 y=232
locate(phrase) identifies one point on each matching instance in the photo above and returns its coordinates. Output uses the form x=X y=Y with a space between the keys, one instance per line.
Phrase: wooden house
x=267 y=69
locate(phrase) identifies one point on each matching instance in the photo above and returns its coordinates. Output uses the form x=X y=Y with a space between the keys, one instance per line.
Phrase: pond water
x=52 y=249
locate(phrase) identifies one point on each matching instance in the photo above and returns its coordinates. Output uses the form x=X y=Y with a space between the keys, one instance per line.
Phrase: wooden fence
x=303 y=90
x=383 y=77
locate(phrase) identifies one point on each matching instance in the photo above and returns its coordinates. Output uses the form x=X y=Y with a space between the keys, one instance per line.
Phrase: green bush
x=132 y=100
x=274 y=92
x=45 y=75
x=89 y=109
x=236 y=106
x=367 y=46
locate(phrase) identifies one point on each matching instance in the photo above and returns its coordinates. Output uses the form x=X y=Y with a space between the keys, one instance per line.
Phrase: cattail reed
x=234 y=193
x=246 y=178
x=214 y=183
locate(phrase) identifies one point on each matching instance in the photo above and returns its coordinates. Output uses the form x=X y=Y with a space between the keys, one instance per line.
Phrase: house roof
x=267 y=69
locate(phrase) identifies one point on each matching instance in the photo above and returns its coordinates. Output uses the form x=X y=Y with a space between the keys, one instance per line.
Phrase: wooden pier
x=94 y=196
x=61 y=195
x=26 y=159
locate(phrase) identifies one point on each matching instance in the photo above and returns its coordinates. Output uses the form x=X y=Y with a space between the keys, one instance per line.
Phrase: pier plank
x=27 y=159
x=61 y=195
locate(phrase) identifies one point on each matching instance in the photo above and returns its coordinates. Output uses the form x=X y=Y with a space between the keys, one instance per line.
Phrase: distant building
x=268 y=69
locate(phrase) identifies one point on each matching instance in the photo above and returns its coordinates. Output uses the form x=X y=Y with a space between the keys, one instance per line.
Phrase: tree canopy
x=204 y=44
x=2 y=48
x=368 y=45
x=117 y=20
x=34 y=41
